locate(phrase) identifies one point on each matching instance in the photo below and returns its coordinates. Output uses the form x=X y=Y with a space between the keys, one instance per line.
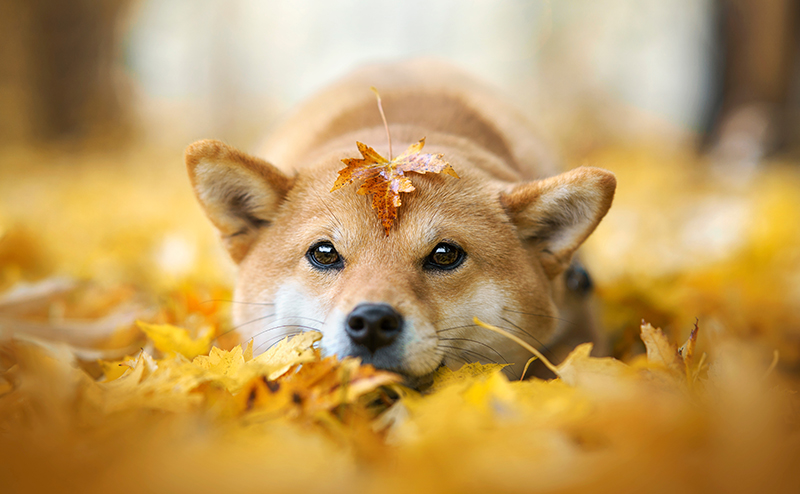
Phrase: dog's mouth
x=424 y=382
x=391 y=359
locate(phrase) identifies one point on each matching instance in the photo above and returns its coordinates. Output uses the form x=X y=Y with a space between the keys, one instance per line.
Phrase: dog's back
x=425 y=96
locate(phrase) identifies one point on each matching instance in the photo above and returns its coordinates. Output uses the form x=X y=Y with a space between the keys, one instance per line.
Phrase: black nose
x=374 y=325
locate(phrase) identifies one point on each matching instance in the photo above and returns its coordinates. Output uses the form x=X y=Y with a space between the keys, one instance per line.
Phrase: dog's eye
x=323 y=255
x=445 y=256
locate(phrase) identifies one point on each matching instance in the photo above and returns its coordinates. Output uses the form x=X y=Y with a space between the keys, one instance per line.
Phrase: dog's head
x=461 y=248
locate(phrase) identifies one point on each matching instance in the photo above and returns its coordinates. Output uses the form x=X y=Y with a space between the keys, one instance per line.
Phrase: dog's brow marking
x=338 y=228
x=432 y=235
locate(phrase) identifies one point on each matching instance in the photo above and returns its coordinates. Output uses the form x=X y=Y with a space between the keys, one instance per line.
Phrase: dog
x=497 y=243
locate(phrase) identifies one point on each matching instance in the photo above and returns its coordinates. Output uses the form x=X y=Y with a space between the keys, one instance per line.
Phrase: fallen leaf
x=686 y=351
x=113 y=369
x=171 y=339
x=361 y=379
x=385 y=178
x=164 y=423
x=445 y=376
x=660 y=352
x=288 y=352
x=225 y=367
x=581 y=369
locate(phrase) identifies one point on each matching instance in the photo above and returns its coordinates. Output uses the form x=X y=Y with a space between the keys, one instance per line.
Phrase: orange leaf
x=386 y=179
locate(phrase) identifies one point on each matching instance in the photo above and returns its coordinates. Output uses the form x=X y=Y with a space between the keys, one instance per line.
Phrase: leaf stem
x=383 y=117
x=527 y=364
x=519 y=341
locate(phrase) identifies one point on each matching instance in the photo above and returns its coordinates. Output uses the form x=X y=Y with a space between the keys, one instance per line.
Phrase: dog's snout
x=374 y=325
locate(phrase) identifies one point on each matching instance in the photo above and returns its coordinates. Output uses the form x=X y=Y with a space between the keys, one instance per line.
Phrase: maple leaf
x=385 y=178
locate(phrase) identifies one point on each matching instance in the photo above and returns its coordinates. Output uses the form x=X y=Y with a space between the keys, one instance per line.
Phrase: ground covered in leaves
x=120 y=372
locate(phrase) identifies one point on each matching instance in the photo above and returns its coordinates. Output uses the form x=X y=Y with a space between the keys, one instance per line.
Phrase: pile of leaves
x=132 y=378
x=186 y=420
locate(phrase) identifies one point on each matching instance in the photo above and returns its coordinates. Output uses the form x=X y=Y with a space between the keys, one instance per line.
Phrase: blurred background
x=171 y=70
x=695 y=104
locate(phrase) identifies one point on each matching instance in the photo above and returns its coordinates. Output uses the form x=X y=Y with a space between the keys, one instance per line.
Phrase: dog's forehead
x=441 y=207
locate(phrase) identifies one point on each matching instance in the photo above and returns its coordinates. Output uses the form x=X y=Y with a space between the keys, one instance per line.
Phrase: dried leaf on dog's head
x=386 y=179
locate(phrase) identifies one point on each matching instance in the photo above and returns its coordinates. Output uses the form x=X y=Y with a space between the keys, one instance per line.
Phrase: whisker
x=265 y=317
x=454 y=355
x=284 y=326
x=508 y=366
x=280 y=319
x=276 y=340
x=477 y=354
x=515 y=329
x=445 y=319
x=456 y=327
x=301 y=317
x=241 y=325
x=265 y=304
x=534 y=314
x=509 y=369
x=478 y=343
x=544 y=347
x=465 y=326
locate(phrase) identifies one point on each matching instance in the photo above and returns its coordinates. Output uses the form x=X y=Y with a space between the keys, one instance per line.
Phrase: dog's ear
x=558 y=213
x=240 y=193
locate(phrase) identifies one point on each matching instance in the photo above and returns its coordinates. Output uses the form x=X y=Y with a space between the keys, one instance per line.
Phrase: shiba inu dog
x=496 y=243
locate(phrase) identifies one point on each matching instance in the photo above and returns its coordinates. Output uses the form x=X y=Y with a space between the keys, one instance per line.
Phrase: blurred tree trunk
x=59 y=70
x=760 y=44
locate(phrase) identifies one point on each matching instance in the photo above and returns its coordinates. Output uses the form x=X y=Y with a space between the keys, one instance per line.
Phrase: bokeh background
x=695 y=104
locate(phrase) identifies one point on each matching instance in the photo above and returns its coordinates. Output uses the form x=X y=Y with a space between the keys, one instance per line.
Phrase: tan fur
x=518 y=233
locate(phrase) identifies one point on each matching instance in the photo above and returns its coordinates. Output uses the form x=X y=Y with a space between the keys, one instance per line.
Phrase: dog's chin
x=422 y=382
x=391 y=359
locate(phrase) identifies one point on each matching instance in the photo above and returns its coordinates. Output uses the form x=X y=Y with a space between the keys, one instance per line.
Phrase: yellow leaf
x=114 y=369
x=221 y=363
x=149 y=384
x=485 y=393
x=445 y=377
x=660 y=351
x=361 y=379
x=288 y=352
x=172 y=339
x=581 y=369
x=248 y=351
x=231 y=368
x=687 y=352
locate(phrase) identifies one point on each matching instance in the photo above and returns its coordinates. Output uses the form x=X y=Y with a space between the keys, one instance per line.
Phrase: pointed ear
x=240 y=193
x=558 y=213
